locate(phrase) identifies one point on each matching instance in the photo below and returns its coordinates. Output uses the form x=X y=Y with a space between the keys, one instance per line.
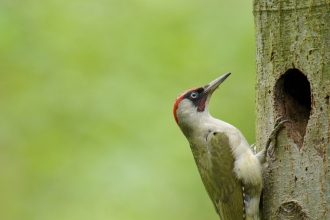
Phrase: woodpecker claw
x=254 y=148
x=272 y=137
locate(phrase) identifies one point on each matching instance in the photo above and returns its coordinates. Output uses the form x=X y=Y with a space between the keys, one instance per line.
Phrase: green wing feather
x=221 y=183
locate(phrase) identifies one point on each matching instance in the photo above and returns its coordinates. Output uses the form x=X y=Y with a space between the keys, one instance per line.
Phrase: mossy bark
x=293 y=82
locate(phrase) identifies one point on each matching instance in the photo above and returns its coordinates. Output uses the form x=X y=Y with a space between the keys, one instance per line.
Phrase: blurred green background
x=86 y=95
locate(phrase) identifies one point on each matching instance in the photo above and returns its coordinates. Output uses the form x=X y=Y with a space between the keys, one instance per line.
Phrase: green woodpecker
x=230 y=171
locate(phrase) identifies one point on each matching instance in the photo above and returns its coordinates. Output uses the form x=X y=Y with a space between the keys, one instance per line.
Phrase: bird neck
x=195 y=125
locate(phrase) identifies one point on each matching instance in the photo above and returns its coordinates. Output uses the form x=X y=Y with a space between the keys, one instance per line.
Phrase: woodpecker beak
x=209 y=88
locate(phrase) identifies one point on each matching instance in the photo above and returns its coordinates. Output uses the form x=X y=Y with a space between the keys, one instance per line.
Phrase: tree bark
x=293 y=82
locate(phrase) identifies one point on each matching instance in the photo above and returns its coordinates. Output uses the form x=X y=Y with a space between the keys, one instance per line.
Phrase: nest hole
x=293 y=102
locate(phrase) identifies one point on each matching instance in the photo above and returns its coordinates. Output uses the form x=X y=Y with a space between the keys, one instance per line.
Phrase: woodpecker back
x=231 y=173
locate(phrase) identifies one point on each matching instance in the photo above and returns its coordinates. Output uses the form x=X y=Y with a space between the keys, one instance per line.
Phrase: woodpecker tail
x=251 y=206
x=252 y=218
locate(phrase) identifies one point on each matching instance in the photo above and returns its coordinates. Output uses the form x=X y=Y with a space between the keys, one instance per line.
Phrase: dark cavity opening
x=293 y=102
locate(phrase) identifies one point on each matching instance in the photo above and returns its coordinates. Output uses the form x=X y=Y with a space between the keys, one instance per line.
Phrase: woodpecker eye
x=194 y=95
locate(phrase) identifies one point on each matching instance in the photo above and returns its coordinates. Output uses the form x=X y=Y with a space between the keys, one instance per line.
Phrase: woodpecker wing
x=222 y=185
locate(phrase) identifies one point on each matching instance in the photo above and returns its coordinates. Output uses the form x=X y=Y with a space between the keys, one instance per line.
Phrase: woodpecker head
x=192 y=105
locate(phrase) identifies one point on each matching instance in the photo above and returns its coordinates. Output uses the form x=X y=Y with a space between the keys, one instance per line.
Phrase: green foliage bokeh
x=86 y=95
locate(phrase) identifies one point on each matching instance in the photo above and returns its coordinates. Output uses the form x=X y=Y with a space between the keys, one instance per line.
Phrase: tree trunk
x=293 y=82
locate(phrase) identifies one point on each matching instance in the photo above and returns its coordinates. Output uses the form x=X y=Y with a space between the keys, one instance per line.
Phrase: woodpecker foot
x=254 y=148
x=272 y=137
